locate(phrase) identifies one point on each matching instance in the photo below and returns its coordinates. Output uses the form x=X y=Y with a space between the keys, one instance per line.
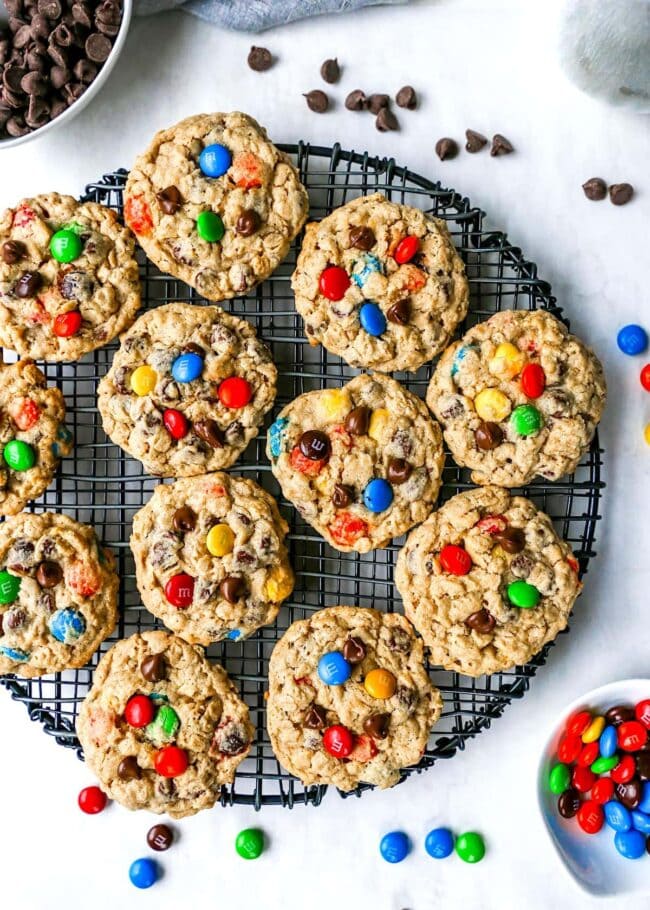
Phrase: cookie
x=58 y=594
x=362 y=463
x=380 y=284
x=33 y=434
x=214 y=203
x=162 y=728
x=187 y=390
x=518 y=396
x=368 y=726
x=210 y=557
x=486 y=581
x=68 y=277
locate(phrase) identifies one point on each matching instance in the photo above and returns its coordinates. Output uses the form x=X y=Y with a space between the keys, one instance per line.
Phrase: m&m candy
x=630 y=844
x=187 y=367
x=559 y=779
x=139 y=711
x=92 y=800
x=171 y=761
x=372 y=319
x=526 y=420
x=378 y=495
x=455 y=560
x=406 y=249
x=65 y=245
x=591 y=816
x=583 y=779
x=617 y=816
x=338 y=741
x=492 y=405
x=523 y=595
x=632 y=339
x=215 y=160
x=394 y=846
x=578 y=723
x=334 y=669
x=624 y=771
x=608 y=741
x=179 y=590
x=210 y=227
x=235 y=392
x=569 y=749
x=588 y=755
x=470 y=847
x=143 y=872
x=593 y=731
x=533 y=380
x=175 y=423
x=380 y=683
x=603 y=790
x=642 y=712
x=249 y=843
x=640 y=821
x=66 y=325
x=645 y=377
x=602 y=764
x=439 y=843
x=67 y=625
x=143 y=380
x=19 y=455
x=9 y=587
x=333 y=282
x=220 y=540
x=507 y=362
x=632 y=736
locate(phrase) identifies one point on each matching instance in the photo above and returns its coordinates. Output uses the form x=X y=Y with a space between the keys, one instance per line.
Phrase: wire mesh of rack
x=102 y=486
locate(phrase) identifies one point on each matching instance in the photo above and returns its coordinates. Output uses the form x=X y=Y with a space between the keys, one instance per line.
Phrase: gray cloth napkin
x=255 y=15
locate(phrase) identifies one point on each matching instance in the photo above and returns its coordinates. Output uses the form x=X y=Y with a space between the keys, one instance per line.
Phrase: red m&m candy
x=92 y=800
x=25 y=413
x=569 y=749
x=603 y=790
x=645 y=377
x=171 y=761
x=139 y=711
x=588 y=755
x=624 y=770
x=176 y=423
x=179 y=590
x=583 y=779
x=406 y=249
x=67 y=324
x=642 y=710
x=137 y=215
x=578 y=723
x=235 y=392
x=338 y=741
x=455 y=560
x=333 y=282
x=591 y=816
x=533 y=380
x=632 y=736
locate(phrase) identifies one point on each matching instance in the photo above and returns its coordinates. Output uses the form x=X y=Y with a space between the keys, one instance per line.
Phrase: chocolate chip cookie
x=349 y=698
x=486 y=581
x=214 y=203
x=187 y=389
x=33 y=434
x=68 y=277
x=518 y=396
x=162 y=728
x=210 y=557
x=362 y=463
x=58 y=594
x=380 y=284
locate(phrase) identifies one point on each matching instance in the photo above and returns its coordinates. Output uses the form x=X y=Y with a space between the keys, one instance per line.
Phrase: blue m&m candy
x=67 y=625
x=334 y=669
x=632 y=339
x=641 y=821
x=233 y=635
x=276 y=436
x=364 y=268
x=439 y=843
x=372 y=319
x=187 y=367
x=14 y=654
x=630 y=844
x=143 y=872
x=608 y=742
x=617 y=816
x=215 y=160
x=394 y=846
x=378 y=495
x=644 y=805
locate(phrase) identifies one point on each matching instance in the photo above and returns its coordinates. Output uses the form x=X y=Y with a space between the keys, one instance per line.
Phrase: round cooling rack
x=100 y=485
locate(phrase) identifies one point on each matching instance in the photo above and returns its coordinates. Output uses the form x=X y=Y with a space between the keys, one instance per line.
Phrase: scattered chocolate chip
x=232 y=588
x=98 y=47
x=315 y=445
x=210 y=432
x=316 y=717
x=260 y=59
x=153 y=668
x=317 y=101
x=407 y=98
x=482 y=621
x=28 y=284
x=247 y=223
x=192 y=348
x=386 y=121
x=400 y=312
x=488 y=436
x=446 y=148
x=621 y=193
x=377 y=725
x=331 y=71
x=34 y=84
x=342 y=496
x=160 y=837
x=377 y=102
x=356 y=100
x=170 y=200
x=184 y=519
x=512 y=540
x=399 y=470
x=475 y=141
x=354 y=650
x=129 y=769
x=49 y=574
x=13 y=251
x=595 y=189
x=357 y=421
x=362 y=238
x=500 y=145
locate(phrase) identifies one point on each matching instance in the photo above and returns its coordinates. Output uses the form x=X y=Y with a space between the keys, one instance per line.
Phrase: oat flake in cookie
x=162 y=728
x=362 y=463
x=518 y=396
x=68 y=277
x=221 y=538
x=33 y=434
x=486 y=581
x=214 y=203
x=58 y=594
x=187 y=389
x=368 y=726
x=380 y=284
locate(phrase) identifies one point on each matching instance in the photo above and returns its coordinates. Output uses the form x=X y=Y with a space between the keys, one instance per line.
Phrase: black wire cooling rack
x=100 y=485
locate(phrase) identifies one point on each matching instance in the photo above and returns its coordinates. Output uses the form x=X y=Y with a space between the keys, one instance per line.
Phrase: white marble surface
x=484 y=65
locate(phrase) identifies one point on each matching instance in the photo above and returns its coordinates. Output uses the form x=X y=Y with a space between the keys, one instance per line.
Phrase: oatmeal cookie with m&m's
x=68 y=277
x=517 y=397
x=210 y=557
x=214 y=203
x=349 y=698
x=58 y=594
x=162 y=727
x=380 y=284
x=362 y=463
x=486 y=581
x=187 y=390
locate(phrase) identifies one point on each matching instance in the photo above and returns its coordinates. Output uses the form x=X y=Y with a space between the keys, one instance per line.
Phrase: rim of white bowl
x=94 y=87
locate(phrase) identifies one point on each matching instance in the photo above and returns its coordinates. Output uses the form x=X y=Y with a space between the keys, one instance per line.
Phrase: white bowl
x=592 y=860
x=91 y=91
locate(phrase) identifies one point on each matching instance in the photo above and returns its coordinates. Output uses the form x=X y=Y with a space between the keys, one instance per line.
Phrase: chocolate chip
x=62 y=36
x=34 y=84
x=51 y=9
x=446 y=148
x=28 y=284
x=488 y=436
x=331 y=71
x=232 y=588
x=153 y=668
x=620 y=193
x=399 y=470
x=12 y=76
x=184 y=519
x=247 y=223
x=400 y=312
x=482 y=621
x=500 y=145
x=316 y=717
x=619 y=714
x=13 y=251
x=98 y=47
x=475 y=141
x=160 y=837
x=568 y=803
x=377 y=102
x=342 y=496
x=377 y=725
x=59 y=75
x=210 y=432
x=407 y=98
x=357 y=421
x=192 y=348
x=38 y=112
x=260 y=59
x=317 y=101
x=169 y=200
x=356 y=100
x=386 y=120
x=630 y=793
x=14 y=619
x=231 y=738
x=512 y=540
x=362 y=238
x=315 y=445
x=81 y=14
x=49 y=574
x=595 y=189
x=354 y=650
x=129 y=769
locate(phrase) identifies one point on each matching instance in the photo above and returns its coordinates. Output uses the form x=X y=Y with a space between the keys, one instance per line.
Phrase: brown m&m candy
x=512 y=540
x=354 y=650
x=619 y=714
x=568 y=803
x=315 y=445
x=184 y=519
x=482 y=621
x=399 y=470
x=153 y=667
x=342 y=496
x=357 y=421
x=488 y=436
x=129 y=769
x=160 y=837
x=630 y=793
x=49 y=574
x=170 y=200
x=28 y=284
x=232 y=588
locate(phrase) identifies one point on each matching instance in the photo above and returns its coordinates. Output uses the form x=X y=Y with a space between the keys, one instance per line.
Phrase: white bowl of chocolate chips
x=55 y=55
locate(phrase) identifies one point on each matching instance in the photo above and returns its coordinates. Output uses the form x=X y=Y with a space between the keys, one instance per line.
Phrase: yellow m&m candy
x=380 y=684
x=593 y=731
x=508 y=361
x=278 y=585
x=378 y=423
x=492 y=405
x=143 y=380
x=220 y=540
x=335 y=403
x=646 y=433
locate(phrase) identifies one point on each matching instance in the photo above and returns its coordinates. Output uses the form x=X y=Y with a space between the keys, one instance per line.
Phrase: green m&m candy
x=603 y=764
x=559 y=779
x=19 y=455
x=65 y=245
x=9 y=587
x=470 y=847
x=164 y=726
x=526 y=420
x=523 y=595
x=209 y=226
x=250 y=843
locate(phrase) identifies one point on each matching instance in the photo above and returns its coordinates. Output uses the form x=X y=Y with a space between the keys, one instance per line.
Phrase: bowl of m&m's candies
x=594 y=788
